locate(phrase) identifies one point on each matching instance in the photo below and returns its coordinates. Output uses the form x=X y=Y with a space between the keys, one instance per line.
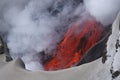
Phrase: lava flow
x=77 y=41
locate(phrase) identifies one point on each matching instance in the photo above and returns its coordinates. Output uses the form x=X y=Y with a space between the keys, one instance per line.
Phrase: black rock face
x=4 y=50
x=97 y=51
x=115 y=74
x=1 y=46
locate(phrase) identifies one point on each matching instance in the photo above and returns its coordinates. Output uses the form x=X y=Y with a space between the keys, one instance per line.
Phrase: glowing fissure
x=77 y=41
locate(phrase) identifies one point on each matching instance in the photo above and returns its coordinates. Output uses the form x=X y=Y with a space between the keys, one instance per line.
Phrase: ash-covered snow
x=113 y=49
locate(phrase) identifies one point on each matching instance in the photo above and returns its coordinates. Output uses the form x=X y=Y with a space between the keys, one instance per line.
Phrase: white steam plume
x=32 y=26
x=104 y=11
x=36 y=28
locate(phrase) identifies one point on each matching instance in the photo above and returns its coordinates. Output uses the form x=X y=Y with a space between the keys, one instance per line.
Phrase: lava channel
x=77 y=41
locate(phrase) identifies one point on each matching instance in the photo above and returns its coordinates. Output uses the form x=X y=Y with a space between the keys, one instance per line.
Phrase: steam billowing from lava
x=30 y=27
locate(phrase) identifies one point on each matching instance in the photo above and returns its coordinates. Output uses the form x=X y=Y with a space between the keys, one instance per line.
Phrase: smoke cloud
x=104 y=11
x=30 y=27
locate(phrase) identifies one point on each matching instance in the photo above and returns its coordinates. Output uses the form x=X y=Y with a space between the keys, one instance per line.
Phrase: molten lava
x=77 y=41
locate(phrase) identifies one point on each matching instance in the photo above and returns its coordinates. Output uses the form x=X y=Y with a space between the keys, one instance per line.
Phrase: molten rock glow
x=77 y=41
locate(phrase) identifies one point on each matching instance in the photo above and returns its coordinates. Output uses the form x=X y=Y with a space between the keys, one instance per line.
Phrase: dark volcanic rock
x=4 y=50
x=97 y=51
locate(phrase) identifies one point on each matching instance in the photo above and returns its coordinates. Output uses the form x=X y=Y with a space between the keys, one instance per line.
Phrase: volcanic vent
x=79 y=38
x=56 y=34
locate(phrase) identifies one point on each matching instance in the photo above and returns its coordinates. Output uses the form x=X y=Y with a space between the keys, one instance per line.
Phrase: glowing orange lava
x=77 y=41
